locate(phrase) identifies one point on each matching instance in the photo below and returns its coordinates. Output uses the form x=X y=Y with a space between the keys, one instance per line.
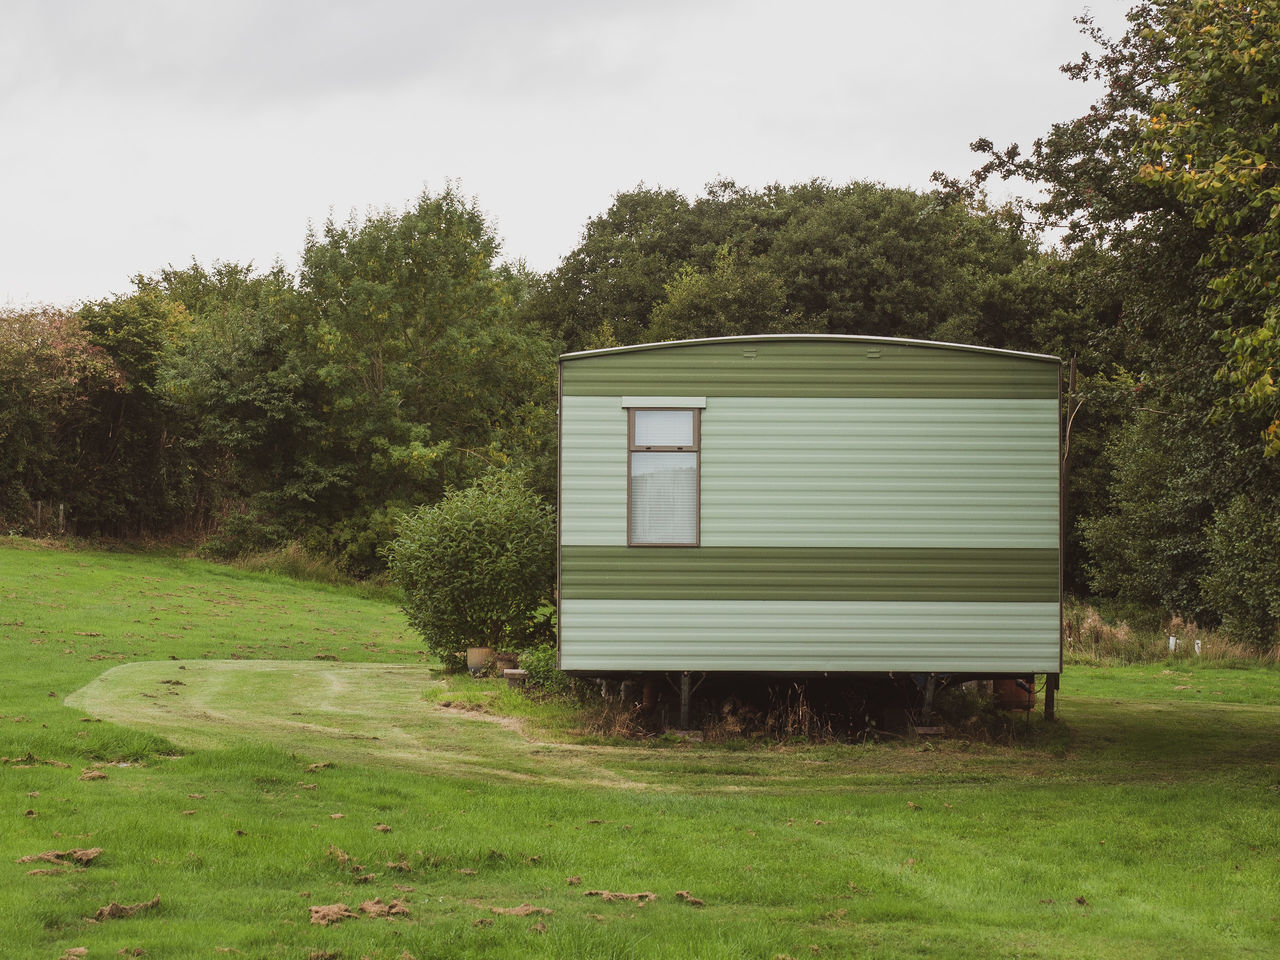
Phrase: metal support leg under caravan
x=687 y=690
x=1050 y=694
x=926 y=712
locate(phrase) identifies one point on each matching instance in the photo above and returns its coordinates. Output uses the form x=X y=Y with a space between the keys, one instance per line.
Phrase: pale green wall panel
x=593 y=471
x=793 y=636
x=835 y=472
x=879 y=472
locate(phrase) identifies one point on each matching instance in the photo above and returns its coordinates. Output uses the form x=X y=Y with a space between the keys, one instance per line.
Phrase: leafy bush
x=1148 y=548
x=540 y=662
x=241 y=534
x=476 y=566
x=1244 y=578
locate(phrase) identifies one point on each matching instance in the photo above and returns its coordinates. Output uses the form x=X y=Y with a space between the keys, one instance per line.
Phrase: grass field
x=256 y=747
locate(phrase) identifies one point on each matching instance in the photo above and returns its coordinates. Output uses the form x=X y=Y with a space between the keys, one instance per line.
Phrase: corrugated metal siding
x=903 y=459
x=811 y=368
x=802 y=636
x=872 y=472
x=809 y=573
x=593 y=471
x=879 y=472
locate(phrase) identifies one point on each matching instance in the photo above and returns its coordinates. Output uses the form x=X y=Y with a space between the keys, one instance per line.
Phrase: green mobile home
x=809 y=504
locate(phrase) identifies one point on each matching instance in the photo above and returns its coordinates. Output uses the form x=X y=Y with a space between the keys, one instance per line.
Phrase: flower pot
x=478 y=659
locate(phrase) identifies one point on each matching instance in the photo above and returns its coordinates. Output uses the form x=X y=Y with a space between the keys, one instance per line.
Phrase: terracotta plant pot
x=478 y=659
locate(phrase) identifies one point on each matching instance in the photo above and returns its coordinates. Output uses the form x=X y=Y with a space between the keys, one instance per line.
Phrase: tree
x=133 y=475
x=245 y=380
x=423 y=374
x=1243 y=576
x=866 y=259
x=49 y=371
x=620 y=269
x=812 y=257
x=1159 y=195
x=1150 y=545
x=1213 y=142
x=738 y=295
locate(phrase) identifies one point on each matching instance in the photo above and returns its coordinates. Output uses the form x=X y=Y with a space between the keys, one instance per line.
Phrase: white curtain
x=664 y=497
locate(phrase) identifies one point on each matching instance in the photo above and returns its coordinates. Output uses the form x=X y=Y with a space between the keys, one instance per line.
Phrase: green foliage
x=540 y=662
x=1163 y=187
x=475 y=566
x=739 y=295
x=51 y=375
x=134 y=476
x=426 y=383
x=242 y=378
x=813 y=257
x=250 y=410
x=1149 y=547
x=620 y=269
x=242 y=533
x=1213 y=142
x=1243 y=581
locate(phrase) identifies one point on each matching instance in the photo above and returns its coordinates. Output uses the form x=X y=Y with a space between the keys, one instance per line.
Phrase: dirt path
x=367 y=713
x=376 y=714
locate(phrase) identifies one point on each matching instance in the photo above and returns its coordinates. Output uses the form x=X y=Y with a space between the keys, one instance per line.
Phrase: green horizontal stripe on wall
x=809 y=573
x=810 y=369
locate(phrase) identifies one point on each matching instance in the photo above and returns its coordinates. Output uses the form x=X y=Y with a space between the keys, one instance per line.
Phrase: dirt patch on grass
x=376 y=908
x=524 y=910
x=31 y=760
x=478 y=711
x=609 y=896
x=64 y=858
x=116 y=911
x=337 y=912
x=262 y=700
x=332 y=913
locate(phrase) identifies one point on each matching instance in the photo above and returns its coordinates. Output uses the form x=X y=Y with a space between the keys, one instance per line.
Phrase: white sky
x=139 y=133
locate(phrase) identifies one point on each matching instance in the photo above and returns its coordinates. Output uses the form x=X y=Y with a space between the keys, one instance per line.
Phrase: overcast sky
x=140 y=133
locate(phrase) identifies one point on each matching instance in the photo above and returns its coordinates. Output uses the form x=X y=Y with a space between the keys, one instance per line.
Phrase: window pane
x=664 y=428
x=664 y=498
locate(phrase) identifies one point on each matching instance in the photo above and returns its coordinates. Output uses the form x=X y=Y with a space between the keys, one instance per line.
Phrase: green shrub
x=242 y=534
x=1147 y=548
x=476 y=566
x=1244 y=578
x=540 y=662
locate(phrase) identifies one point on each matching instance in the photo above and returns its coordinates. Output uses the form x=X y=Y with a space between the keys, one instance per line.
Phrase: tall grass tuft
x=294 y=562
x=1089 y=637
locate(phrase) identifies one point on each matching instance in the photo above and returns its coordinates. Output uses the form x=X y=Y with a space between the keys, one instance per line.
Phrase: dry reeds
x=792 y=715
x=1089 y=638
x=613 y=719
